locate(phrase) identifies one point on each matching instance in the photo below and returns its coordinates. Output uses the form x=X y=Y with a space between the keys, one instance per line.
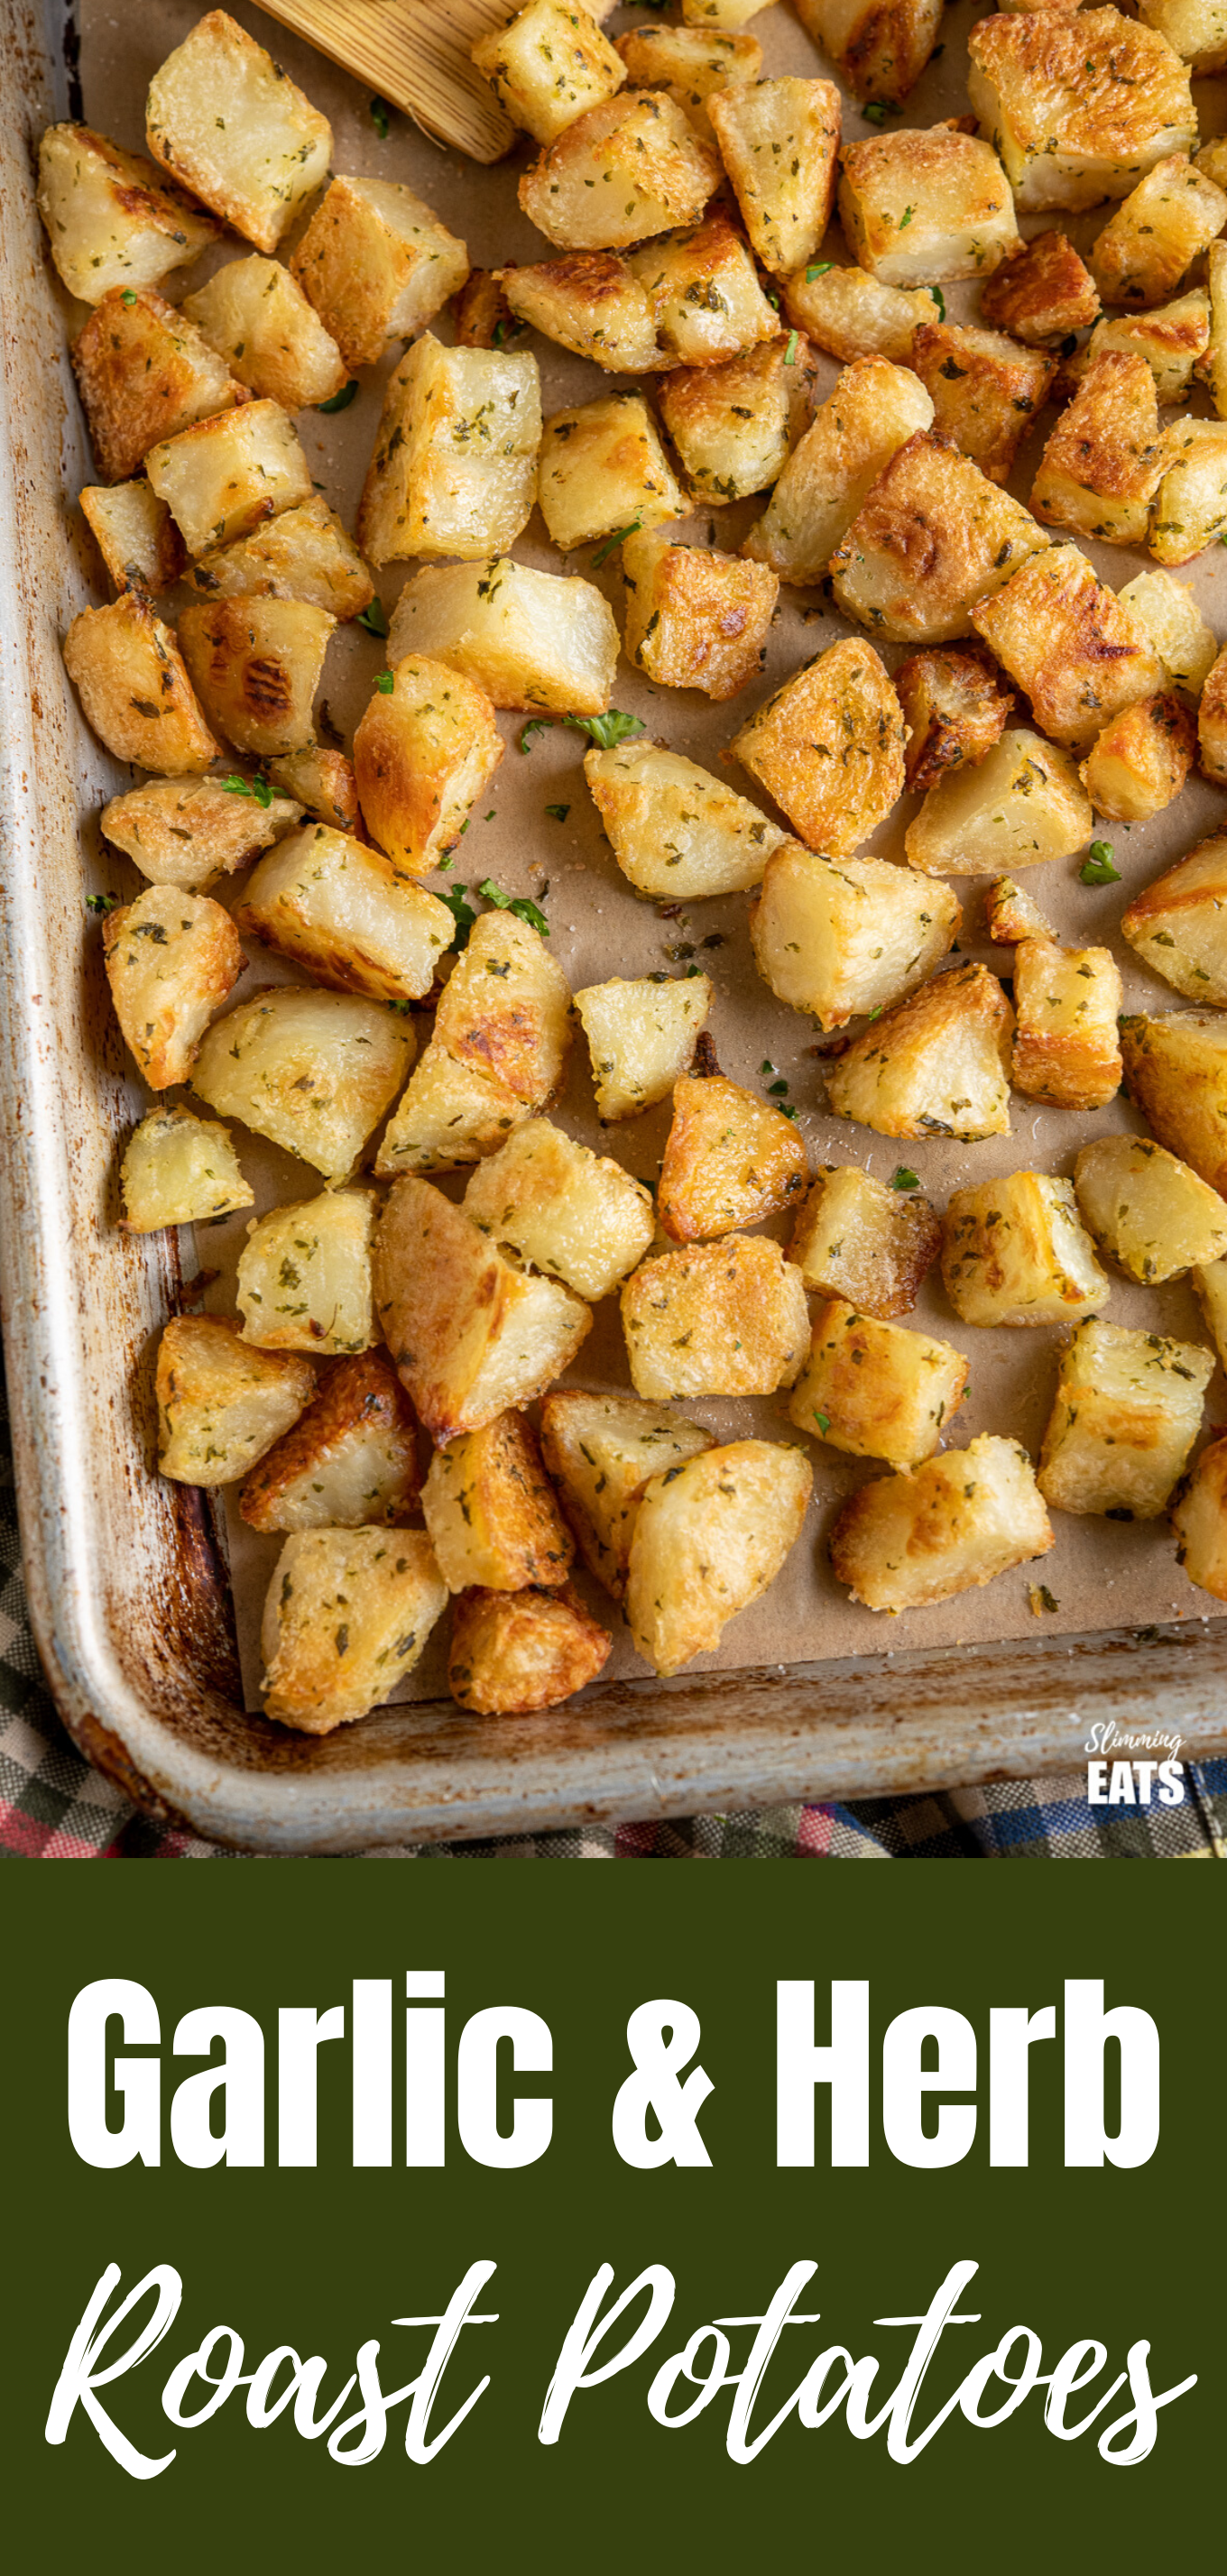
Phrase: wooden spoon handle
x=414 y=53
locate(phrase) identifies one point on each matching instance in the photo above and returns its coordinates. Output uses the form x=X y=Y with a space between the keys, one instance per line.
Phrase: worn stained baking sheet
x=129 y=1608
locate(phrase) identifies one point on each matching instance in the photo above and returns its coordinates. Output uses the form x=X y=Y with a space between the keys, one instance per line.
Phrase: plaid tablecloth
x=53 y=1806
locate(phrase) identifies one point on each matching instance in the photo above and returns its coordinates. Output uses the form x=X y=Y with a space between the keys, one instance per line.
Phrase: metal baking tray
x=127 y=1581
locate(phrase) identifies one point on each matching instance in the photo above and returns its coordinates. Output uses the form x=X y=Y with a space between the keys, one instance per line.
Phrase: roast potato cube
x=222 y=477
x=955 y=709
x=1174 y=627
x=704 y=292
x=185 y=834
x=568 y=1211
x=641 y=1036
x=693 y=65
x=735 y=426
x=1174 y=212
x=1021 y=805
x=136 y=536
x=1070 y=643
x=932 y=540
x=529 y=639
x=874 y=410
x=180 y=1170
x=881 y=52
x=303 y=553
x=1078 y=106
x=985 y=390
x=631 y=166
x=256 y=664
x=550 y=64
x=924 y=205
x=602 y=467
x=726 y=1318
x=1147 y=1209
x=709 y=1538
x=134 y=688
x=1212 y=721
x=859 y=1239
x=1066 y=1005
x=876 y=1390
x=1127 y=1412
x=1141 y=760
x=674 y=830
x=450 y=1113
x=720 y=13
x=840 y=937
x=730 y=1160
x=1211 y=360
x=349 y=1461
x=602 y=1452
x=1176 y=1072
x=1015 y=1252
x=226 y=120
x=506 y=1008
x=454 y=471
x=314 y=1072
x=1011 y=915
x=1101 y=467
x=829 y=747
x=1041 y=291
x=304 y=1278
x=953 y=1524
x=1194 y=29
x=220 y=1404
x=422 y=751
x=855 y=316
x=323 y=781
x=111 y=218
x=779 y=143
x=512 y=1652
x=1190 y=506
x=257 y=318
x=1178 y=924
x=377 y=264
x=592 y=304
x=469 y=1335
x=1198 y=1515
x=347 y=1615
x=144 y=374
x=1174 y=340
x=171 y=959
x=695 y=618
x=491 y=1512
x=325 y=899
x=936 y=1065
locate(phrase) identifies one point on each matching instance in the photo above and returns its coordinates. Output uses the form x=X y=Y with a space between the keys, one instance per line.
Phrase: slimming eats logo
x=1138 y=1770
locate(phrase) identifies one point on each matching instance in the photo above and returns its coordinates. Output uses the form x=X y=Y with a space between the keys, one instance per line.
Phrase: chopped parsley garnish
x=817 y=268
x=605 y=731
x=380 y=117
x=904 y=1178
x=558 y=813
x=257 y=787
x=520 y=904
x=462 y=913
x=1099 y=868
x=611 y=544
x=374 y=618
x=341 y=401
x=102 y=903
x=385 y=683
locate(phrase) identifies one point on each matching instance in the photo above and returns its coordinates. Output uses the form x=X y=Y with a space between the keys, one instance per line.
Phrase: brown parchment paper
x=1100 y=1573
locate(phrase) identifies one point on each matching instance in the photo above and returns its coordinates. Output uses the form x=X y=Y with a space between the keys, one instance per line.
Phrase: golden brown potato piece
x=1101 y=467
x=303 y=553
x=314 y=1072
x=866 y=1241
x=454 y=468
x=226 y=120
x=144 y=374
x=133 y=685
x=695 y=618
x=1179 y=923
x=725 y=1318
x=676 y=831
x=529 y=639
x=602 y=468
x=1127 y=1411
x=1011 y=915
x=491 y=1513
x=709 y=1538
x=221 y=1405
x=592 y=304
x=304 y=1275
x=704 y=292
x=947 y=1527
x=325 y=899
x=256 y=664
x=880 y=51
x=1212 y=722
x=224 y=477
x=985 y=389
x=1198 y=1514
x=548 y=65
x=468 y=1335
x=1140 y=761
x=955 y=709
x=734 y=426
x=1149 y=1211
x=924 y=205
x=873 y=410
x=1172 y=622
x=837 y=937
x=1190 y=506
x=321 y=780
x=1066 y=1005
x=171 y=959
x=451 y=1113
x=1070 y=643
x=876 y=1390
x=936 y=1065
x=933 y=539
x=1176 y=1072
x=729 y=1161
x=779 y=142
x=180 y=1170
x=1174 y=212
x=850 y=314
x=506 y=1007
x=1078 y=106
x=349 y=1462
x=376 y=264
x=829 y=747
x=1014 y=1252
x=185 y=833
x=512 y=1652
x=602 y=1451
x=627 y=168
x=482 y=316
x=1174 y=339
x=257 y=318
x=570 y=1212
x=112 y=219
x=693 y=65
x=1042 y=291
x=140 y=546
x=1024 y=803
x=641 y=1035
x=346 y=1617
x=422 y=751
